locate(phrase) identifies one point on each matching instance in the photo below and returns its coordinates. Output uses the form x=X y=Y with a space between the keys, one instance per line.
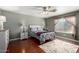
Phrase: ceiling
x=37 y=11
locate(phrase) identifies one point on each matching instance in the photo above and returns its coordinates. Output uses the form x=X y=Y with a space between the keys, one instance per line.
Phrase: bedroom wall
x=49 y=24
x=14 y=20
x=77 y=26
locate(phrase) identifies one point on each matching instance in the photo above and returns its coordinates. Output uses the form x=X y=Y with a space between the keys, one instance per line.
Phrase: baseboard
x=67 y=38
x=14 y=39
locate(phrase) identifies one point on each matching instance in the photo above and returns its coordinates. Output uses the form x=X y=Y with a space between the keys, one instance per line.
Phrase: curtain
x=71 y=19
x=66 y=24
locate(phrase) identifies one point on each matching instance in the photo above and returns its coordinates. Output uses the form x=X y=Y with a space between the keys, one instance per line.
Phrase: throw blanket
x=39 y=33
x=46 y=36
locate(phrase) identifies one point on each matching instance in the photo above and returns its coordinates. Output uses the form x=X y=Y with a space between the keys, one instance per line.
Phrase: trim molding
x=14 y=39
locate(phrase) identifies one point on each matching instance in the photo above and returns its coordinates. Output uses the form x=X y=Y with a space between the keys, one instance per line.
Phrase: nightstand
x=23 y=35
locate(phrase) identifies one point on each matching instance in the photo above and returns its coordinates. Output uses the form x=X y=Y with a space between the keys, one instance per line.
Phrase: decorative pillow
x=34 y=29
x=40 y=29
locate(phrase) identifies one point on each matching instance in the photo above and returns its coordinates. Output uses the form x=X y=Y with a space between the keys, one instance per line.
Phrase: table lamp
x=2 y=20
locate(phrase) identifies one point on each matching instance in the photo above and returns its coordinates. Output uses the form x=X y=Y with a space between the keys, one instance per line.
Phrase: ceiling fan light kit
x=49 y=8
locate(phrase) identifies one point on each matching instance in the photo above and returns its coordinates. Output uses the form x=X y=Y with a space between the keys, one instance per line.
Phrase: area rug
x=59 y=46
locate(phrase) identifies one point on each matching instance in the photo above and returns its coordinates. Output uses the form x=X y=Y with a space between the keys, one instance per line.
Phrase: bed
x=39 y=33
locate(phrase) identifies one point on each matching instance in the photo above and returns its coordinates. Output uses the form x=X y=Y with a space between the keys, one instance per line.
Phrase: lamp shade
x=2 y=18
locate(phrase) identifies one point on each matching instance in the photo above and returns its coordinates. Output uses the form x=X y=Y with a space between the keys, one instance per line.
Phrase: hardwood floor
x=29 y=45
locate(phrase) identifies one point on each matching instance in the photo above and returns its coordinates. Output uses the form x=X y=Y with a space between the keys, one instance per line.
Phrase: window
x=65 y=25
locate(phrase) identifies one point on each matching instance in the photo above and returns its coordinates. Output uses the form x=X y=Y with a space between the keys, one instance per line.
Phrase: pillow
x=33 y=29
x=40 y=29
x=36 y=28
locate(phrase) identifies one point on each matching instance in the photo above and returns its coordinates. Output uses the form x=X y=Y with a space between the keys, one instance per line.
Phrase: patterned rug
x=59 y=46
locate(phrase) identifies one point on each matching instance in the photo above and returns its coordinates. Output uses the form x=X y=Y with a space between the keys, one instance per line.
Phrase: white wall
x=14 y=20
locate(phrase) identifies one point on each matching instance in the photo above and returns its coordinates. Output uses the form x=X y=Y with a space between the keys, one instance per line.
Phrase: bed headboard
x=35 y=26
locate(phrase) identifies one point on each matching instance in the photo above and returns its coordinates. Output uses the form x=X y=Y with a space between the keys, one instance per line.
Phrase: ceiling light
x=47 y=9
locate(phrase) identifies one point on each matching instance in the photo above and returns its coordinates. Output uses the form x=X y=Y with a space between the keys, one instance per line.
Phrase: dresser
x=4 y=40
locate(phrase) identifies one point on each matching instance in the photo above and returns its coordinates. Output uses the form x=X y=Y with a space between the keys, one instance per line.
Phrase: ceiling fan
x=47 y=8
